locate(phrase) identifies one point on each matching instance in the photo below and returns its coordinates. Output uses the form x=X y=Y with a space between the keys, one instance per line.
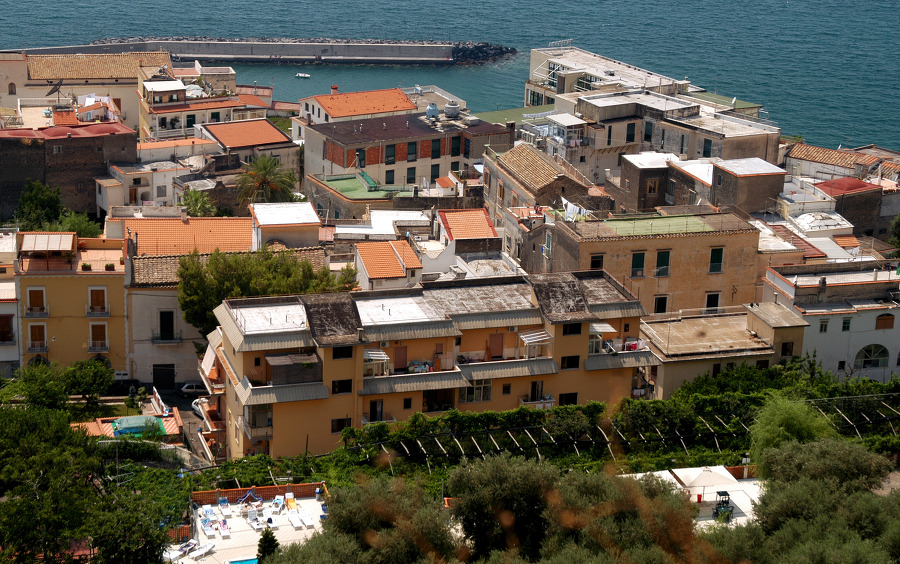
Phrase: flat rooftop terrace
x=660 y=225
x=729 y=127
x=648 y=99
x=703 y=335
x=856 y=277
x=352 y=187
x=579 y=59
x=270 y=318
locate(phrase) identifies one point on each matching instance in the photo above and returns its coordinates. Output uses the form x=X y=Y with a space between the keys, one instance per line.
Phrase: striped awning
x=34 y=242
x=375 y=354
x=535 y=337
x=601 y=327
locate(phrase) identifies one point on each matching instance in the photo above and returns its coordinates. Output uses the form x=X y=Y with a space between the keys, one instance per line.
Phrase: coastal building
x=851 y=309
x=244 y=141
x=68 y=158
x=402 y=149
x=293 y=225
x=670 y=262
x=72 y=303
x=858 y=201
x=214 y=80
x=138 y=184
x=827 y=164
x=296 y=370
x=10 y=326
x=170 y=231
x=694 y=342
x=387 y=264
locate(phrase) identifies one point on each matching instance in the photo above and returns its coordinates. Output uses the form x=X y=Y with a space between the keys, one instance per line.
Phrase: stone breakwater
x=300 y=50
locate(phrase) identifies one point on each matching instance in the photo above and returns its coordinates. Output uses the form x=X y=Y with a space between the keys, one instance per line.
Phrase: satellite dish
x=55 y=88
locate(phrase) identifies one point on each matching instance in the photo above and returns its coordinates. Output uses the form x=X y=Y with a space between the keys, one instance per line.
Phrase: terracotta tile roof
x=468 y=224
x=534 y=169
x=162 y=271
x=847 y=185
x=94 y=106
x=889 y=168
x=364 y=103
x=846 y=241
x=174 y=236
x=846 y=159
x=58 y=132
x=106 y=65
x=809 y=250
x=382 y=259
x=251 y=100
x=406 y=254
x=202 y=104
x=250 y=133
x=65 y=117
x=445 y=182
x=286 y=106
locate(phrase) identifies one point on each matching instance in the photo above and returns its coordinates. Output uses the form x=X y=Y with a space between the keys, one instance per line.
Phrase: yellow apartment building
x=72 y=304
x=289 y=373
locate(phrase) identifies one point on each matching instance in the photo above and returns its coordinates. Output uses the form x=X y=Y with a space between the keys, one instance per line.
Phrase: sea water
x=824 y=69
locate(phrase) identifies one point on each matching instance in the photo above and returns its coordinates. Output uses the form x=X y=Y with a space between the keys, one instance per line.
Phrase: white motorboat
x=301 y=75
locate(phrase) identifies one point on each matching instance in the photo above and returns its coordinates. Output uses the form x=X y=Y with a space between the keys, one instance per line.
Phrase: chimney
x=184 y=215
x=511 y=128
x=334 y=89
x=254 y=88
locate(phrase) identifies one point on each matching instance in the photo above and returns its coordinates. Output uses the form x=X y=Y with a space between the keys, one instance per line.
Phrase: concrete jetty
x=320 y=50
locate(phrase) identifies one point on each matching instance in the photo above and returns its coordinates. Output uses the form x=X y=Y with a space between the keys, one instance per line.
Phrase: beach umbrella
x=706 y=477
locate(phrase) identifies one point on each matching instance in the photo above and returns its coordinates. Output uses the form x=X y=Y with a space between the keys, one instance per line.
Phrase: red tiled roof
x=382 y=259
x=94 y=106
x=809 y=251
x=251 y=100
x=445 y=182
x=65 y=117
x=174 y=143
x=250 y=133
x=197 y=105
x=57 y=132
x=174 y=236
x=847 y=185
x=846 y=159
x=364 y=103
x=846 y=241
x=468 y=224
x=286 y=106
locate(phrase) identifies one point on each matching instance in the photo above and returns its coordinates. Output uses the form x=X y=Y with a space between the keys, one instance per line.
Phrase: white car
x=195 y=388
x=199 y=406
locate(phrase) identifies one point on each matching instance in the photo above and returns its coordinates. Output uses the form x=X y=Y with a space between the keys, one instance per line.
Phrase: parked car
x=123 y=387
x=193 y=388
x=199 y=406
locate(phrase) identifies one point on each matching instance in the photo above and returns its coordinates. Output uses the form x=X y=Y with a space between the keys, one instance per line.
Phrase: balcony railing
x=7 y=339
x=213 y=385
x=547 y=403
x=37 y=311
x=37 y=346
x=98 y=346
x=96 y=311
x=256 y=433
x=165 y=337
x=385 y=418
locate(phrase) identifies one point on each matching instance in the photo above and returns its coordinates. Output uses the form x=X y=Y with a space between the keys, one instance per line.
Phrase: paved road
x=190 y=419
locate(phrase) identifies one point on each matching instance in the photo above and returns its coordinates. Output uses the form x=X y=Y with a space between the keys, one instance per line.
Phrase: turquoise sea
x=825 y=69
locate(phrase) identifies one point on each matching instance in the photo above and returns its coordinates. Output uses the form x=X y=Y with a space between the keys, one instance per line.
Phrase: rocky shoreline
x=464 y=52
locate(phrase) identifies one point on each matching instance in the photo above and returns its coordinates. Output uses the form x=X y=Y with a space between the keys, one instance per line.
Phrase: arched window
x=11 y=89
x=37 y=360
x=884 y=321
x=871 y=356
x=102 y=359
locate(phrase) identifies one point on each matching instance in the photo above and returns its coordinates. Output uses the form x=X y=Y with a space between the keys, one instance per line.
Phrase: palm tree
x=197 y=204
x=264 y=180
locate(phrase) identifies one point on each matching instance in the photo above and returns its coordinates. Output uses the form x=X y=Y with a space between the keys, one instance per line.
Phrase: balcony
x=256 y=433
x=213 y=380
x=37 y=311
x=96 y=311
x=7 y=339
x=614 y=353
x=98 y=346
x=37 y=346
x=546 y=403
x=165 y=337
x=385 y=418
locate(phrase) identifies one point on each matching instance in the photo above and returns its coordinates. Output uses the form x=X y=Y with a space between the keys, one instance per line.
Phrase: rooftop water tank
x=451 y=109
x=432 y=111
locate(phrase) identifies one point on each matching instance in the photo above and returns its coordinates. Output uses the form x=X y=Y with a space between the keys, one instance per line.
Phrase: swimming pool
x=244 y=561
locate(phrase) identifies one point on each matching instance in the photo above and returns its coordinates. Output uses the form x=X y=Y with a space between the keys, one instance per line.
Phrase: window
x=845 y=324
x=842 y=364
x=326 y=118
x=626 y=328
x=660 y=303
x=36 y=304
x=716 y=369
x=762 y=364
x=884 y=321
x=637 y=265
x=707 y=148
x=507 y=389
x=455 y=143
x=57 y=149
x=467 y=148
x=98 y=342
x=454 y=165
x=338 y=425
x=569 y=362
x=629 y=133
x=338 y=353
x=389 y=152
x=167 y=326
x=662 y=264
x=712 y=302
x=581 y=159
x=411 y=175
x=411 y=151
x=595 y=343
x=823 y=326
x=435 y=171
x=160 y=191
x=537 y=391
x=718 y=180
x=435 y=148
x=480 y=390
x=715 y=260
x=257 y=361
x=571 y=329
x=6 y=329
x=787 y=349
x=662 y=142
x=37 y=337
x=871 y=356
x=407 y=403
x=215 y=117
x=11 y=89
x=681 y=150
x=389 y=177
x=361 y=158
x=568 y=399
x=596 y=262
x=652 y=186
x=609 y=136
x=307 y=107
x=648 y=131
x=342 y=386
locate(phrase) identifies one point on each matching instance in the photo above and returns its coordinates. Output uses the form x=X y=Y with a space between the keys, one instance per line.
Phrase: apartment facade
x=291 y=372
x=73 y=299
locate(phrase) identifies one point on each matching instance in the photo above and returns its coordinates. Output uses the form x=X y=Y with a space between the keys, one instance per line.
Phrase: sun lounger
x=224 y=529
x=291 y=502
x=177 y=552
x=202 y=551
x=224 y=507
x=269 y=518
x=295 y=519
x=278 y=504
x=208 y=526
x=207 y=511
x=310 y=519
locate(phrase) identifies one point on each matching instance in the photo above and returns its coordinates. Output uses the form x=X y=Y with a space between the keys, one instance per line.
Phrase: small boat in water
x=301 y=75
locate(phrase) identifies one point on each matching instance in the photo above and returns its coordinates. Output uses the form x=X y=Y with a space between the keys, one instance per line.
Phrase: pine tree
x=268 y=545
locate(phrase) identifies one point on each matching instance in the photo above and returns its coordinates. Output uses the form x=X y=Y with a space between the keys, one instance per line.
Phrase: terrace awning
x=44 y=242
x=535 y=337
x=601 y=327
x=375 y=354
